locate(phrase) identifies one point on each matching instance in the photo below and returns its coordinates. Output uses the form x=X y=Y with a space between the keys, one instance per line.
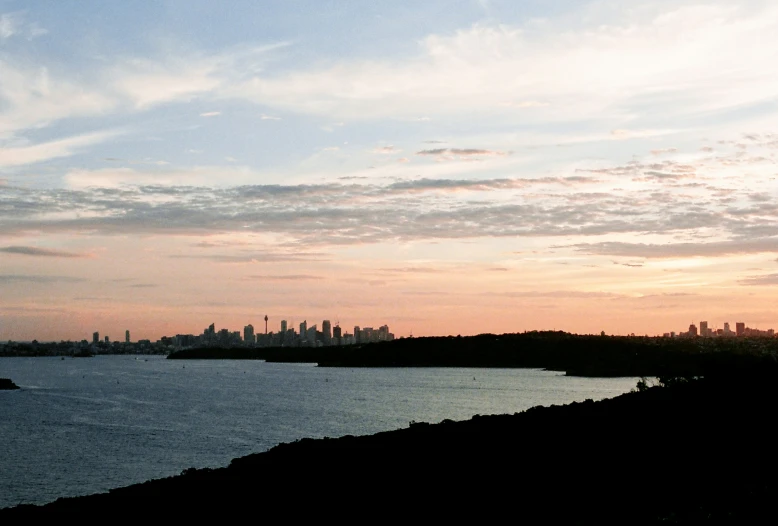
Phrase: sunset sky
x=451 y=167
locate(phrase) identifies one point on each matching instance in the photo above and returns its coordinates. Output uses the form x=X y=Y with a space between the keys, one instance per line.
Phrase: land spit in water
x=6 y=384
x=694 y=451
x=577 y=355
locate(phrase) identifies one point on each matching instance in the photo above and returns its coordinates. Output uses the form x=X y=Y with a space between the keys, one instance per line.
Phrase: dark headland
x=577 y=355
x=692 y=451
x=7 y=384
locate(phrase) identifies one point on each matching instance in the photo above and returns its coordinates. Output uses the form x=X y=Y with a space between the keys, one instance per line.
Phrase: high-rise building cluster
x=306 y=336
x=704 y=331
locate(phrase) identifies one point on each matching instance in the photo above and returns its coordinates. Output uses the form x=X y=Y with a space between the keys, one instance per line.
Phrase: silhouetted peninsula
x=693 y=451
x=6 y=384
x=578 y=355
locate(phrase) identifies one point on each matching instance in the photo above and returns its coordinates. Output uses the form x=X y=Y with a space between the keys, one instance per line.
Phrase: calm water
x=86 y=425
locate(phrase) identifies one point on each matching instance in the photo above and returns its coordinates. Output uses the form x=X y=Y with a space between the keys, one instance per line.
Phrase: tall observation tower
x=265 y=323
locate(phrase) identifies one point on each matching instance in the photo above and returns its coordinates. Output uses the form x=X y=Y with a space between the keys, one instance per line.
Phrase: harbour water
x=85 y=425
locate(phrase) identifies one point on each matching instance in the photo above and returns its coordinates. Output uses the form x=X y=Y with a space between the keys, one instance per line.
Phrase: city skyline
x=491 y=167
x=329 y=333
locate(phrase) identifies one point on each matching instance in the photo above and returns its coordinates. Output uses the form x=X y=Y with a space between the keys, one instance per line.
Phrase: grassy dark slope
x=699 y=451
x=559 y=351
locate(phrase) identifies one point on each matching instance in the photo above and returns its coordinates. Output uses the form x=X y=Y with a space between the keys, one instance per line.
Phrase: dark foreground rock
x=6 y=384
x=694 y=452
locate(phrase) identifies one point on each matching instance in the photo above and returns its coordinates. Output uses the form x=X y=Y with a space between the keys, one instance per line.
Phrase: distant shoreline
x=575 y=355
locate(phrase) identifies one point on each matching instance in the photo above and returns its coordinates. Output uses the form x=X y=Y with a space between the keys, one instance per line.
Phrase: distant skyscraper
x=283 y=325
x=311 y=336
x=740 y=328
x=326 y=332
x=107 y=339
x=304 y=329
x=248 y=334
x=703 y=328
x=127 y=336
x=692 y=330
x=95 y=337
x=357 y=338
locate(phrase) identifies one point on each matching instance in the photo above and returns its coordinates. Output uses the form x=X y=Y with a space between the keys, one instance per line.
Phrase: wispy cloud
x=760 y=281
x=36 y=153
x=461 y=152
x=680 y=250
x=39 y=279
x=284 y=277
x=556 y=294
x=42 y=252
x=258 y=257
x=385 y=149
x=10 y=24
x=34 y=97
x=13 y=24
x=478 y=65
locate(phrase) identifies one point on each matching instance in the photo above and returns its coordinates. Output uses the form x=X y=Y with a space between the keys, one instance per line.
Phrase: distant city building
x=248 y=334
x=209 y=334
x=308 y=337
x=741 y=331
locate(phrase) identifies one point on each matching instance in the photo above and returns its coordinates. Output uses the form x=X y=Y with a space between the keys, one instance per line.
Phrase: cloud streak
x=27 y=155
x=680 y=250
x=38 y=279
x=42 y=252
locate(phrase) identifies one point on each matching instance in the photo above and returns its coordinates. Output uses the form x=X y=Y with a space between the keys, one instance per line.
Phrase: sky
x=443 y=167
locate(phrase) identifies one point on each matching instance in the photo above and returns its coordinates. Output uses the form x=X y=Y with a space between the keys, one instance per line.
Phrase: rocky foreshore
x=699 y=451
x=7 y=384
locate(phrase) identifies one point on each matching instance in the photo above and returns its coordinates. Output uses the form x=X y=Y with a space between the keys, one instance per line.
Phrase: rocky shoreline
x=698 y=451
